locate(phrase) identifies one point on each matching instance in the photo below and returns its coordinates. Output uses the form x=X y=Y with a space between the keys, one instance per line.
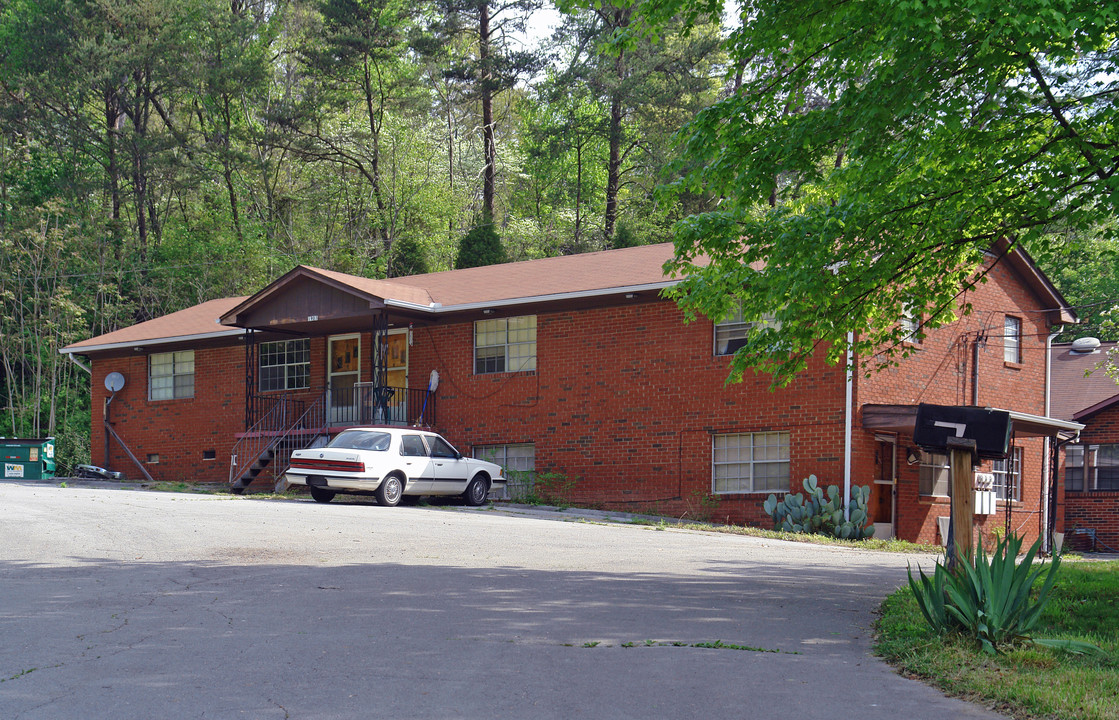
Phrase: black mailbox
x=990 y=429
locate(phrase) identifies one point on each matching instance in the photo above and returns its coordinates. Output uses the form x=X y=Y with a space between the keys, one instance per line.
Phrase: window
x=209 y=455
x=1008 y=476
x=732 y=333
x=440 y=448
x=412 y=446
x=1092 y=467
x=1074 y=468
x=520 y=457
x=285 y=365
x=910 y=326
x=505 y=345
x=1107 y=468
x=934 y=474
x=171 y=375
x=750 y=462
x=1012 y=340
x=518 y=463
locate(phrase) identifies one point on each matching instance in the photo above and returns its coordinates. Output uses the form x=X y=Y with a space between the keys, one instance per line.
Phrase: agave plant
x=989 y=598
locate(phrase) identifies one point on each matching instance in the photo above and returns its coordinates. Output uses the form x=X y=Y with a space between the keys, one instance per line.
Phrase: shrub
x=989 y=599
x=818 y=515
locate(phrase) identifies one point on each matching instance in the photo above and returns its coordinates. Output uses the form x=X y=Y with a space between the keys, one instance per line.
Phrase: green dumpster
x=27 y=458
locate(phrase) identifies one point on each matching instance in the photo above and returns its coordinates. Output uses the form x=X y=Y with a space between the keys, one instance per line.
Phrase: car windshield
x=361 y=440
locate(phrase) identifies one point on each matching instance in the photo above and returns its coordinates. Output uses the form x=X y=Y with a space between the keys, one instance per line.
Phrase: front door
x=343 y=373
x=883 y=496
x=396 y=367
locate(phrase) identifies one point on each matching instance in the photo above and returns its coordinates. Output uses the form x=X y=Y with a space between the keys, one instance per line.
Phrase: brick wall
x=177 y=431
x=1097 y=510
x=624 y=403
x=941 y=371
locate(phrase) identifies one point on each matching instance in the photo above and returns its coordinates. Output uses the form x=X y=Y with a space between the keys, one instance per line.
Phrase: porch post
x=250 y=375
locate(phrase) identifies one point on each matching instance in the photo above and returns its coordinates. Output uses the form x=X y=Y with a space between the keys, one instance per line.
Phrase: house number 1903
x=312 y=318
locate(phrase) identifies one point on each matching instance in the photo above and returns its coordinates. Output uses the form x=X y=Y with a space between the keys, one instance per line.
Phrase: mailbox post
x=965 y=434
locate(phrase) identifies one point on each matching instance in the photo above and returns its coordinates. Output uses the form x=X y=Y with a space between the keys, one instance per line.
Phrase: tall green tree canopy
x=870 y=153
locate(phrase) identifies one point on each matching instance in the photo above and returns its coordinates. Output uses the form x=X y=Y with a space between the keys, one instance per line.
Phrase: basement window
x=209 y=455
x=153 y=458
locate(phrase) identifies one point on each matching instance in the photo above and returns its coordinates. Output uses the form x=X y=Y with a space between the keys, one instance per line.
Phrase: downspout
x=848 y=420
x=1043 y=517
x=975 y=371
x=78 y=362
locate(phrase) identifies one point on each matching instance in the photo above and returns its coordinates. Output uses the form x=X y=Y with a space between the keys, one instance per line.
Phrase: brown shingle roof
x=1073 y=392
x=191 y=323
x=586 y=272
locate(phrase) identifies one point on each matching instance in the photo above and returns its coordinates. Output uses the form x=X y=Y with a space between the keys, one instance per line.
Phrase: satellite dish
x=433 y=381
x=1085 y=344
x=114 y=381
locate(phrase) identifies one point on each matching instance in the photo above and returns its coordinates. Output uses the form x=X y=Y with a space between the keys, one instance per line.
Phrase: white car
x=392 y=463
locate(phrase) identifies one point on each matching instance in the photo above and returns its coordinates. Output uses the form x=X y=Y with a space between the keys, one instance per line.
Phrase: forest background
x=155 y=155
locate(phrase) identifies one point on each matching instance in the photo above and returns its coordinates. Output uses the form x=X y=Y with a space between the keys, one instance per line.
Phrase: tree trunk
x=489 y=174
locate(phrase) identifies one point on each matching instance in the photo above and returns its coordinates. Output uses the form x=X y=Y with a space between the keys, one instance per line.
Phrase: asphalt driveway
x=133 y=604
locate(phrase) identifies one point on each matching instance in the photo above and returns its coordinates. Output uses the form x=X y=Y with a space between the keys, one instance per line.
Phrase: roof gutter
x=151 y=341
x=581 y=294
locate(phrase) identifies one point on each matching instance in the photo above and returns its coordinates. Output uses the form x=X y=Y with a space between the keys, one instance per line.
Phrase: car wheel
x=476 y=492
x=390 y=491
x=322 y=495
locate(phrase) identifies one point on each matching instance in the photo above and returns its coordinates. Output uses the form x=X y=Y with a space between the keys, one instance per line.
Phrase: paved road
x=133 y=604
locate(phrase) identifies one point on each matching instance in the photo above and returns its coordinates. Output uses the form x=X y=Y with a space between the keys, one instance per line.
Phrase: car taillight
x=321 y=464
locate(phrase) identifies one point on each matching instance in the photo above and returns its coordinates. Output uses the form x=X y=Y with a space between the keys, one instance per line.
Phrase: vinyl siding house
x=576 y=369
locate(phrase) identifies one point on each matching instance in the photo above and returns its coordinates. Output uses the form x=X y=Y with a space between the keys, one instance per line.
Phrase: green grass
x=1028 y=681
x=901 y=546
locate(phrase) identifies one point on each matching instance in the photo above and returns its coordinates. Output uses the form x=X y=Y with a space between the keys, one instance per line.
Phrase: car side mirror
x=458 y=455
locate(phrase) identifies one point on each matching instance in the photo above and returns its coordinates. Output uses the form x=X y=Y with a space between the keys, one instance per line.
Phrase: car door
x=417 y=463
x=450 y=469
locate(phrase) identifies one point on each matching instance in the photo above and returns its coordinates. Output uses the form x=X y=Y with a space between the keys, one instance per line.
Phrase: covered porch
x=323 y=352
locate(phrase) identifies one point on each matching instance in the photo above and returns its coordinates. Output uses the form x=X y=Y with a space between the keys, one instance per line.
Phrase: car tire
x=476 y=492
x=322 y=494
x=389 y=492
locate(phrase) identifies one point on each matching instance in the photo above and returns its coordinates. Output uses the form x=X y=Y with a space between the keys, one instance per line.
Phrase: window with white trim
x=171 y=375
x=910 y=323
x=933 y=475
x=750 y=462
x=1012 y=340
x=518 y=457
x=285 y=365
x=1008 y=476
x=518 y=465
x=505 y=345
x=732 y=333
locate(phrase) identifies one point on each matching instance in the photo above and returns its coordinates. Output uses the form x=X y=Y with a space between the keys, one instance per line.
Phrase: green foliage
x=872 y=153
x=408 y=258
x=816 y=514
x=989 y=599
x=624 y=237
x=481 y=246
x=1023 y=680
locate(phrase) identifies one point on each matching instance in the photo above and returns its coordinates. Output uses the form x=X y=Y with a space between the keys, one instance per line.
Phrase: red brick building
x=1087 y=502
x=574 y=368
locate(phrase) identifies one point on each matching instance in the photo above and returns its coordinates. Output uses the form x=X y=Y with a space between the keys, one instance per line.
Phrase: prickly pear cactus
x=820 y=511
